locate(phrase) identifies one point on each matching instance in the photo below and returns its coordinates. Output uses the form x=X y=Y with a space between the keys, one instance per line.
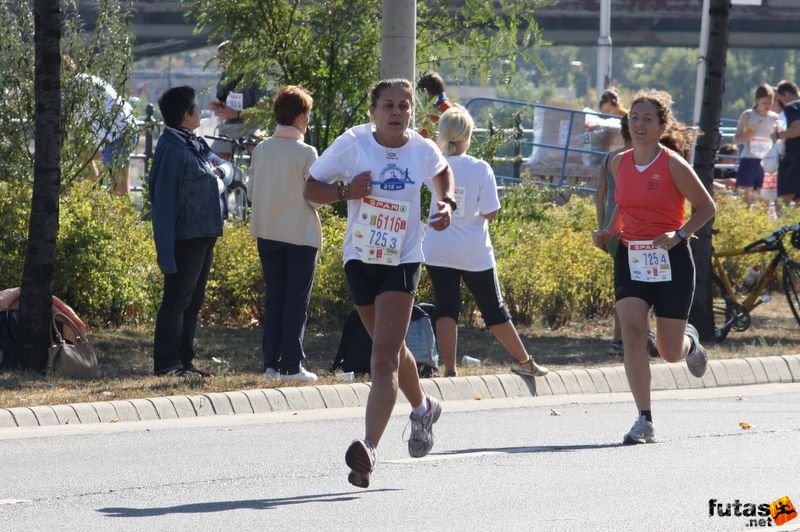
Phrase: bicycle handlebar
x=241 y=141
x=774 y=237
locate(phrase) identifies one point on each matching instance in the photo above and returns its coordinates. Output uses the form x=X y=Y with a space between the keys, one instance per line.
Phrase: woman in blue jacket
x=186 y=180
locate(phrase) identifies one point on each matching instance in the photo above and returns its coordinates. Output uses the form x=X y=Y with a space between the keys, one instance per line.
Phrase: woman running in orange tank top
x=654 y=267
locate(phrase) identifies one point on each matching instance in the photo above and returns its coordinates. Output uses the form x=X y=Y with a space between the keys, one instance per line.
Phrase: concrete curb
x=610 y=379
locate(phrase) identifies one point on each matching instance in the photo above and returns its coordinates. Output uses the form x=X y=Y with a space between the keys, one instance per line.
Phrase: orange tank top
x=649 y=202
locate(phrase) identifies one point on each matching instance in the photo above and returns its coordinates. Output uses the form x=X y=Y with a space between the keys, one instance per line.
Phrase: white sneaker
x=272 y=373
x=301 y=376
x=642 y=431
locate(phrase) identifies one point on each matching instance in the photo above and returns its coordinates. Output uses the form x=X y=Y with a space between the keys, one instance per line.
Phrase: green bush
x=548 y=268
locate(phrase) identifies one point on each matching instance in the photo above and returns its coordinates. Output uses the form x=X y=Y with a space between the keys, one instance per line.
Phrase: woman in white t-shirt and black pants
x=379 y=169
x=465 y=250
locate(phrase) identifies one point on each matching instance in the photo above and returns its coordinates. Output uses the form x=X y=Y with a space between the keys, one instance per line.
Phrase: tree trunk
x=37 y=275
x=702 y=314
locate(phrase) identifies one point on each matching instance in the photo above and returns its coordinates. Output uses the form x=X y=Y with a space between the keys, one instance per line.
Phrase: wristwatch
x=682 y=234
x=451 y=202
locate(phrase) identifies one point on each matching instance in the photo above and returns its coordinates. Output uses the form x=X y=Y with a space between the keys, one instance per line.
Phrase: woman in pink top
x=654 y=267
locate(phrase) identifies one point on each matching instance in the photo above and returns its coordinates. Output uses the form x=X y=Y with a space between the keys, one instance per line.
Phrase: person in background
x=465 y=250
x=380 y=169
x=186 y=180
x=725 y=178
x=653 y=266
x=288 y=233
x=789 y=168
x=754 y=133
x=231 y=105
x=609 y=103
x=431 y=85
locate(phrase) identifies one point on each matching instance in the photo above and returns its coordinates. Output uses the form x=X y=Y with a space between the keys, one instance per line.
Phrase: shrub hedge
x=548 y=268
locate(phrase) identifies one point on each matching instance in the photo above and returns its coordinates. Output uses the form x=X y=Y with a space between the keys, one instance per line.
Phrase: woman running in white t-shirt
x=379 y=169
x=465 y=250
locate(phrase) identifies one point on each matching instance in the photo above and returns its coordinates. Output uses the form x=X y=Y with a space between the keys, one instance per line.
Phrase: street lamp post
x=604 y=48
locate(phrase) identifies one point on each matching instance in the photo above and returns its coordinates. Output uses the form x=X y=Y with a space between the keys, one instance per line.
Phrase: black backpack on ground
x=355 y=345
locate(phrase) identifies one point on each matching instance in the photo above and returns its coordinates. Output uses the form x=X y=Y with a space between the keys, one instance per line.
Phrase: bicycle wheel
x=723 y=309
x=237 y=202
x=791 y=286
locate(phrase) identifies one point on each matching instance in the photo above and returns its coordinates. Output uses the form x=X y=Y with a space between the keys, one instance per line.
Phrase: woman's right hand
x=601 y=238
x=361 y=185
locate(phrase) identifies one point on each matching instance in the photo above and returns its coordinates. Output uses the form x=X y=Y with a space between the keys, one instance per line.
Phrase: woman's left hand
x=441 y=220
x=667 y=241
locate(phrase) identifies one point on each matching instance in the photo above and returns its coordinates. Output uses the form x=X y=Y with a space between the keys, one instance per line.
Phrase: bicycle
x=731 y=312
x=236 y=198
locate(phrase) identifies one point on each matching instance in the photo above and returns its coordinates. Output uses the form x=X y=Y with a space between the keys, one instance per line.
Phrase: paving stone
x=744 y=369
x=429 y=387
x=661 y=377
x=294 y=398
x=708 y=380
x=23 y=417
x=793 y=362
x=720 y=373
x=599 y=380
x=6 y=419
x=570 y=382
x=511 y=385
x=556 y=383
x=617 y=383
x=680 y=374
x=312 y=396
x=758 y=369
x=105 y=411
x=164 y=408
x=542 y=386
x=777 y=370
x=447 y=388
x=584 y=381
x=86 y=413
x=361 y=390
x=277 y=401
x=146 y=410
x=527 y=385
x=330 y=396
x=125 y=411
x=220 y=403
x=463 y=389
x=348 y=395
x=734 y=373
x=66 y=415
x=479 y=388
x=183 y=406
x=45 y=415
x=240 y=402
x=202 y=405
x=494 y=386
x=258 y=401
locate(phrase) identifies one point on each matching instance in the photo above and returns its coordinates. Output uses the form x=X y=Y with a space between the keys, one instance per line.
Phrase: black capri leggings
x=483 y=285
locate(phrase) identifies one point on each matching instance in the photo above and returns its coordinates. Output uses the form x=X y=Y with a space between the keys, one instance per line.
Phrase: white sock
x=422 y=408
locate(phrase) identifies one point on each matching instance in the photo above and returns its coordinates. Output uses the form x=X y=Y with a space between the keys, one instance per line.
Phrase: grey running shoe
x=529 y=368
x=641 y=432
x=360 y=458
x=421 y=441
x=652 y=350
x=697 y=358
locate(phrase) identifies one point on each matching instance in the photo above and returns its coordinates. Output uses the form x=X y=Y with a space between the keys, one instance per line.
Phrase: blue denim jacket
x=185 y=198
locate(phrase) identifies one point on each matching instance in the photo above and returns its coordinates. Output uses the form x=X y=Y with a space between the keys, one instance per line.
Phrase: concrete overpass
x=161 y=27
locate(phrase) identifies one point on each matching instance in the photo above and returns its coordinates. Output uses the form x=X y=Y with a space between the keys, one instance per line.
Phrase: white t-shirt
x=465 y=244
x=397 y=175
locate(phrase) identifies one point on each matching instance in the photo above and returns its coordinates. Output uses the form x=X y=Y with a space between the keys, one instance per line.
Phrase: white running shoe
x=641 y=432
x=696 y=358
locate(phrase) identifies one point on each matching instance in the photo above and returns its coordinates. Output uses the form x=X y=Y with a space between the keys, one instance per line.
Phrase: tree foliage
x=105 y=53
x=332 y=47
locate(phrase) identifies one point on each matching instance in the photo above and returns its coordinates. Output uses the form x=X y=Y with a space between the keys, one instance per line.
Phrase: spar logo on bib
x=394 y=178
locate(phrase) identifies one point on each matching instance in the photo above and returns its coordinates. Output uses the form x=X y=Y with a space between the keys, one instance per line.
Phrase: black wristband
x=451 y=202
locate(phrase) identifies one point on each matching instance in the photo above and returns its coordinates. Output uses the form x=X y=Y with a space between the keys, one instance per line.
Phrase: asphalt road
x=544 y=463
